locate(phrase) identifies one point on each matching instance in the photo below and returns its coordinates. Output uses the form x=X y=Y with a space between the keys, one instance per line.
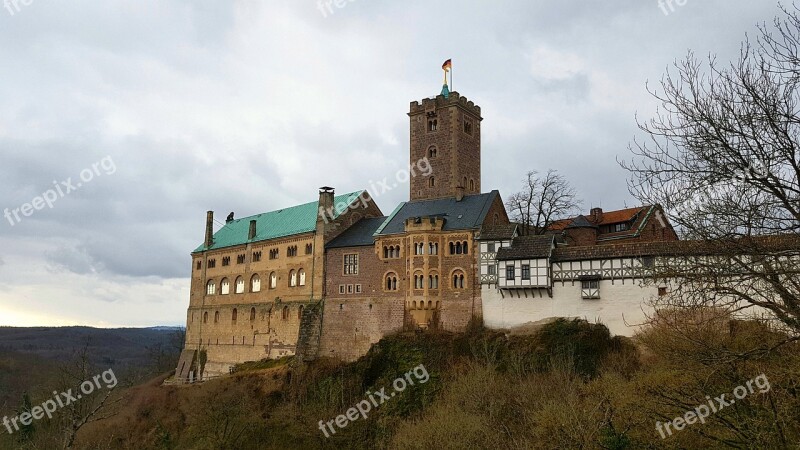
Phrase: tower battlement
x=440 y=101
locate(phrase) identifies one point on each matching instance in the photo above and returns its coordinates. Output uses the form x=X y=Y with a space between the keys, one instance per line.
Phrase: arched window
x=452 y=248
x=216 y=316
x=385 y=252
x=458 y=279
x=301 y=274
x=225 y=287
x=430 y=304
x=239 y=285
x=285 y=313
x=431 y=182
x=472 y=185
x=464 y=247
x=292 y=278
x=273 y=280
x=300 y=313
x=211 y=288
x=419 y=281
x=433 y=281
x=234 y=315
x=255 y=283
x=205 y=317
x=252 y=314
x=458 y=248
x=464 y=184
x=391 y=281
x=432 y=152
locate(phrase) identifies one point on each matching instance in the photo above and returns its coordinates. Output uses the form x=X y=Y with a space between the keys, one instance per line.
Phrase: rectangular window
x=256 y=256
x=510 y=275
x=351 y=264
x=590 y=284
x=358 y=289
x=226 y=260
x=491 y=247
x=662 y=291
x=492 y=270
x=526 y=272
x=349 y=288
x=199 y=265
x=212 y=263
x=240 y=259
x=341 y=289
x=590 y=289
x=620 y=227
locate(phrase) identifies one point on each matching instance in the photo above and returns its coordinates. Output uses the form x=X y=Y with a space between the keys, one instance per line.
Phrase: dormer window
x=621 y=227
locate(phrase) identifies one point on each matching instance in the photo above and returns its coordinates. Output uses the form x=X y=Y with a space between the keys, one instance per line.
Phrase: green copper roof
x=445 y=91
x=284 y=222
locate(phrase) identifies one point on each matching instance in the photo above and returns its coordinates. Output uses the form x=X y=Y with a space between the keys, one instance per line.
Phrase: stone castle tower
x=446 y=130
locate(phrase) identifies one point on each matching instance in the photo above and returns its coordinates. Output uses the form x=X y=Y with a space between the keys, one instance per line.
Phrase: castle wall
x=621 y=306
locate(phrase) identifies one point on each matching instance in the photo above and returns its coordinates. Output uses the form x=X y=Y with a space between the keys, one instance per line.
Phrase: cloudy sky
x=139 y=116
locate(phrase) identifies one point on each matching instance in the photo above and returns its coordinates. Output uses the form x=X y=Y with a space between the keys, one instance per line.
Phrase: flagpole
x=451 y=76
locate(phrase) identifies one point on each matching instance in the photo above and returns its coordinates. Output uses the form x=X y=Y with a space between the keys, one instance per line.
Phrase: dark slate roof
x=498 y=232
x=359 y=235
x=528 y=247
x=468 y=214
x=581 y=222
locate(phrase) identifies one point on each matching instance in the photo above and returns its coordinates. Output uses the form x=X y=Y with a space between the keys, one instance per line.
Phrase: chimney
x=209 y=228
x=326 y=194
x=459 y=193
x=596 y=214
x=252 y=233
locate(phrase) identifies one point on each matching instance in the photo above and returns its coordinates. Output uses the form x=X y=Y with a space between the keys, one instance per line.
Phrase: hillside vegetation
x=569 y=385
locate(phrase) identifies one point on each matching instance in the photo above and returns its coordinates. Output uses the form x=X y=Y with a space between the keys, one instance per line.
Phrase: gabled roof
x=359 y=235
x=498 y=232
x=528 y=247
x=467 y=214
x=275 y=224
x=580 y=222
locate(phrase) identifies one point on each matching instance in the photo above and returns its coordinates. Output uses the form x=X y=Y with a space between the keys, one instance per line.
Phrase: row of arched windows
x=419 y=281
x=392 y=251
x=433 y=248
x=458 y=248
x=296 y=278
x=458 y=280
x=285 y=314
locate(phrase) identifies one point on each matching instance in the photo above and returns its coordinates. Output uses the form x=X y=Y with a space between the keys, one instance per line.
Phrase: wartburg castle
x=333 y=276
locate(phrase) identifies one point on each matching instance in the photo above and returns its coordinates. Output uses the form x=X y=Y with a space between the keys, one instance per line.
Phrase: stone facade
x=260 y=291
x=446 y=131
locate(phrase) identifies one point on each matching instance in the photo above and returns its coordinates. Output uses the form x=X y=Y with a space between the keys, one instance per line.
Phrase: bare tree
x=721 y=157
x=85 y=409
x=542 y=201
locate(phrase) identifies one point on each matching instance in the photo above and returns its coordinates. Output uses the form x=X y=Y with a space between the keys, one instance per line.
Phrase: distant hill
x=30 y=358
x=108 y=347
